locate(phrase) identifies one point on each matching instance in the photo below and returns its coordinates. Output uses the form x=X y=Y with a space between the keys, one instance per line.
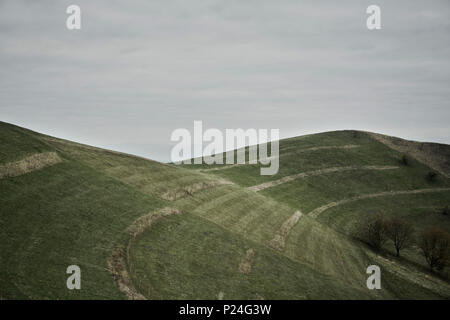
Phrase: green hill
x=140 y=229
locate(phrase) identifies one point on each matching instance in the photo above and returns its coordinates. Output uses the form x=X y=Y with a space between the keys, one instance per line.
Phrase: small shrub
x=404 y=160
x=373 y=232
x=435 y=245
x=431 y=176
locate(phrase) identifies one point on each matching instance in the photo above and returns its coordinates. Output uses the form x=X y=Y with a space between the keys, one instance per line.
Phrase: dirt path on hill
x=274 y=183
x=317 y=211
x=225 y=166
x=178 y=193
x=420 y=278
x=347 y=146
x=118 y=263
x=29 y=164
x=279 y=241
x=245 y=266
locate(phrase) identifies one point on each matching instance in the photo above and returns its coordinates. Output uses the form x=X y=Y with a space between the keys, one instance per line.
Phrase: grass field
x=298 y=224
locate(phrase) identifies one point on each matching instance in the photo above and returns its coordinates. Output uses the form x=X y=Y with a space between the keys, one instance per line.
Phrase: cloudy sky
x=137 y=70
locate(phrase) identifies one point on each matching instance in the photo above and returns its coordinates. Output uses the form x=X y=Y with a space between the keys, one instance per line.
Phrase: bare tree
x=374 y=232
x=435 y=245
x=400 y=232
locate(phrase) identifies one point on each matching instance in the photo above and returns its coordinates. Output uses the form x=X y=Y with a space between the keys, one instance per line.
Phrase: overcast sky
x=137 y=70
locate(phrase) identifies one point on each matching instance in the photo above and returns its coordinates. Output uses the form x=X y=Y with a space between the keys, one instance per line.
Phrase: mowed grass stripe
x=323 y=248
x=168 y=182
x=328 y=252
x=246 y=213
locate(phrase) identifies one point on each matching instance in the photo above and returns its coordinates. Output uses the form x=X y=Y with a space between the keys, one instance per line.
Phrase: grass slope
x=77 y=211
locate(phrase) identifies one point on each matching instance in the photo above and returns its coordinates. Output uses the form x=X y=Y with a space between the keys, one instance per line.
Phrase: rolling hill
x=141 y=229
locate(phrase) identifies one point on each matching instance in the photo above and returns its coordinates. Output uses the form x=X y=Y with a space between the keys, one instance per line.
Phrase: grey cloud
x=140 y=69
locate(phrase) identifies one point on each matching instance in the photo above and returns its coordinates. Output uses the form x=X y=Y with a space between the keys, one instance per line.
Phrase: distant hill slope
x=435 y=155
x=140 y=229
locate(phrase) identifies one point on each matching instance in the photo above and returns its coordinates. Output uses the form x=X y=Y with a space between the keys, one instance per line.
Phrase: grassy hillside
x=224 y=233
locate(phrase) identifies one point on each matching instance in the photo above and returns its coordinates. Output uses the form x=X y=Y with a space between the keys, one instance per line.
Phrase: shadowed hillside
x=140 y=229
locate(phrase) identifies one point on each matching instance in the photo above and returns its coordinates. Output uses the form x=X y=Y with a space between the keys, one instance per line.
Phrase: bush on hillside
x=431 y=176
x=373 y=232
x=404 y=160
x=435 y=245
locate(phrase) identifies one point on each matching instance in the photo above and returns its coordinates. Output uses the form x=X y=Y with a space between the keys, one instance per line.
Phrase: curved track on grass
x=315 y=213
x=301 y=175
x=344 y=147
x=428 y=281
x=178 y=193
x=229 y=166
x=118 y=261
x=279 y=240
